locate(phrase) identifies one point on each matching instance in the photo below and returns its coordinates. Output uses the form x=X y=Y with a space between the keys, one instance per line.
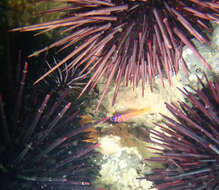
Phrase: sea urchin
x=190 y=143
x=129 y=40
x=41 y=145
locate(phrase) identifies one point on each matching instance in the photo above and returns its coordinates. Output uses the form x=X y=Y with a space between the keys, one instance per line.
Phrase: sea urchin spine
x=38 y=151
x=129 y=41
x=190 y=143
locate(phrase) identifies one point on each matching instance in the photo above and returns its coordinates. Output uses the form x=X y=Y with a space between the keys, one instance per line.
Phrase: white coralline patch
x=215 y=46
x=195 y=66
x=215 y=37
x=187 y=52
x=109 y=144
x=119 y=170
x=215 y=63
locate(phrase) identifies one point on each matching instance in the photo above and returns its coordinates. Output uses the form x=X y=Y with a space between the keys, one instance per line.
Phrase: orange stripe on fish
x=129 y=115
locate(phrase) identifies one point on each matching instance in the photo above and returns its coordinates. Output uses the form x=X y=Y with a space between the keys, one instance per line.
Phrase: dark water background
x=14 y=43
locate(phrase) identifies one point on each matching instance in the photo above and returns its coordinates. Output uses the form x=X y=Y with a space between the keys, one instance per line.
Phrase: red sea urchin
x=130 y=40
x=41 y=145
x=190 y=143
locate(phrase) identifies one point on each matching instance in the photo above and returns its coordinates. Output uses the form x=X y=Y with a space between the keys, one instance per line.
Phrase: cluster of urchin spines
x=41 y=144
x=111 y=40
x=190 y=142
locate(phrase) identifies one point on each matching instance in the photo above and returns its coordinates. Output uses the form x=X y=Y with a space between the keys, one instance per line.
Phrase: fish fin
x=146 y=109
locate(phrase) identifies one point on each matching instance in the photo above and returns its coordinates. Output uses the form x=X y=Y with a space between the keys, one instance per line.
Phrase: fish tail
x=146 y=109
x=140 y=112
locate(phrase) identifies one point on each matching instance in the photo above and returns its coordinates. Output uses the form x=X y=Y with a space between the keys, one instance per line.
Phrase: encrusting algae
x=93 y=133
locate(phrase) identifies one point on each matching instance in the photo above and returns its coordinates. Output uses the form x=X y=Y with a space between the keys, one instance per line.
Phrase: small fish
x=129 y=115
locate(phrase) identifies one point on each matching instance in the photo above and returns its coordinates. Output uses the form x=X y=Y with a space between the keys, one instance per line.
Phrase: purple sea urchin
x=190 y=143
x=41 y=144
x=129 y=40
